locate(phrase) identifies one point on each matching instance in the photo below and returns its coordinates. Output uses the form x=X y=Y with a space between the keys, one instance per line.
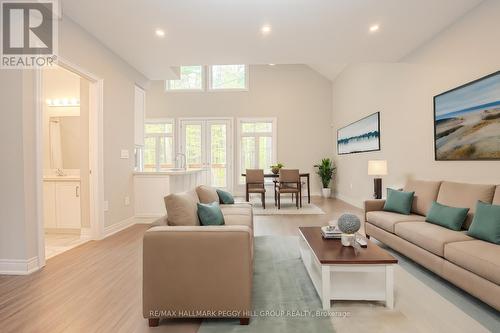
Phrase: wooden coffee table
x=345 y=273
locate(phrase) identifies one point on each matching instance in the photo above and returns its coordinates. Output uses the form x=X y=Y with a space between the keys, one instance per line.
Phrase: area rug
x=287 y=208
x=284 y=298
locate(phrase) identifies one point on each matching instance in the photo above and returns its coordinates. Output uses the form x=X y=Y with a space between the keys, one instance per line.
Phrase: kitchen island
x=151 y=187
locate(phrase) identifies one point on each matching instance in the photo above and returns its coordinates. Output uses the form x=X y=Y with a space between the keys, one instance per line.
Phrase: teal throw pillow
x=210 y=214
x=225 y=197
x=486 y=223
x=398 y=201
x=449 y=217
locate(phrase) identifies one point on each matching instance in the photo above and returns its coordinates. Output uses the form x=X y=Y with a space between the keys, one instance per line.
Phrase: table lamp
x=377 y=168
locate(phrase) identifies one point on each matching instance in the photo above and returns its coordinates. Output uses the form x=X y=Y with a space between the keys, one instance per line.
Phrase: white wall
x=298 y=96
x=79 y=47
x=18 y=228
x=403 y=93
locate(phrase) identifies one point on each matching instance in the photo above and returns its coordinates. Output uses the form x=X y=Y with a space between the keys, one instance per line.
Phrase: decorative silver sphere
x=349 y=223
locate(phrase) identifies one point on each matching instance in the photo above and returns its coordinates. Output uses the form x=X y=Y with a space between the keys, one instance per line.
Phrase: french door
x=207 y=144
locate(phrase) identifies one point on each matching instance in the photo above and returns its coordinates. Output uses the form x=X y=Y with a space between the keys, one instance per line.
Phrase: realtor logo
x=29 y=33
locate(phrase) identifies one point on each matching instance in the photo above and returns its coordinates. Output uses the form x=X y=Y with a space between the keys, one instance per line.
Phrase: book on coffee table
x=331 y=232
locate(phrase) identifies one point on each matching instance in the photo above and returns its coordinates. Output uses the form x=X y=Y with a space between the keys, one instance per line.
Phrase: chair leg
x=263 y=200
x=300 y=196
x=297 y=200
x=275 y=197
x=247 y=196
x=279 y=200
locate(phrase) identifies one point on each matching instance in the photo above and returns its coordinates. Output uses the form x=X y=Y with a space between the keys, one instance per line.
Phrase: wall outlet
x=106 y=206
x=124 y=154
x=127 y=201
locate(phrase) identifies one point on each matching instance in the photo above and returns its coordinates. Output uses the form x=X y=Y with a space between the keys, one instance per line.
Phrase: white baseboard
x=18 y=266
x=349 y=200
x=119 y=226
x=86 y=234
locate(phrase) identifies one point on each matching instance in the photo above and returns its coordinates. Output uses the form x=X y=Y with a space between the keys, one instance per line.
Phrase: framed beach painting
x=360 y=136
x=467 y=121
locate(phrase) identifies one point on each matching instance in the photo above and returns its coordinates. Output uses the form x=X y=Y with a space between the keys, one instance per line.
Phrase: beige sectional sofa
x=471 y=264
x=198 y=271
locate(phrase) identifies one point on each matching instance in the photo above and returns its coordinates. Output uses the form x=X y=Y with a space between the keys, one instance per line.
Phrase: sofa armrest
x=373 y=205
x=196 y=269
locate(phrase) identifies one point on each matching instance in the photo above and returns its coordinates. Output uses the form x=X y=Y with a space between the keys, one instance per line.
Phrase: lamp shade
x=377 y=168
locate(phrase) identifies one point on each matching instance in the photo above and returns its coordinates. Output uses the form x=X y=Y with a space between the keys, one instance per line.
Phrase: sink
x=175 y=169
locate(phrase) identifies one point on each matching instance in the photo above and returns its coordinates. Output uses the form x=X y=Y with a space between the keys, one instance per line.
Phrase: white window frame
x=239 y=135
x=158 y=135
x=209 y=79
x=203 y=82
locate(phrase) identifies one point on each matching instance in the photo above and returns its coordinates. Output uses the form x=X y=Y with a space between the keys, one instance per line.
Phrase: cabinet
x=61 y=205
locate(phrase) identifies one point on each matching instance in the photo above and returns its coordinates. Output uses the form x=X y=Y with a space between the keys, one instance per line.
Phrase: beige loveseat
x=471 y=264
x=198 y=271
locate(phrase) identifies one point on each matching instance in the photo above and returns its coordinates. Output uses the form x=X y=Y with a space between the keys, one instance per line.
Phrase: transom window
x=228 y=77
x=191 y=78
x=158 y=145
x=257 y=144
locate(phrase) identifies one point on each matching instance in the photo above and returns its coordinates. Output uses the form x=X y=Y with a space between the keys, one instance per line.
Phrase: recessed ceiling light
x=272 y=64
x=374 y=28
x=160 y=33
x=266 y=29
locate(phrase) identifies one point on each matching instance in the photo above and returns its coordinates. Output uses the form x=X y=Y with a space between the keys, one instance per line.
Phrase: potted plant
x=276 y=168
x=326 y=170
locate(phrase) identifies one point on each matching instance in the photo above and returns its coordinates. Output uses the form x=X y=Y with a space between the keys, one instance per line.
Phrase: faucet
x=60 y=173
x=183 y=160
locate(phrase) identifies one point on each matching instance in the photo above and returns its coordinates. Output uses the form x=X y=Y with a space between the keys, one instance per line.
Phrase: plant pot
x=275 y=170
x=326 y=192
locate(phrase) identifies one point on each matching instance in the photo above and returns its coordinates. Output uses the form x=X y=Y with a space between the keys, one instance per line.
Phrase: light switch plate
x=127 y=201
x=124 y=154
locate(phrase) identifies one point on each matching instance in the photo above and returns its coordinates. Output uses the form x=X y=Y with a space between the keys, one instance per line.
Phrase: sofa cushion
x=449 y=217
x=387 y=220
x=465 y=195
x=210 y=214
x=398 y=201
x=207 y=194
x=425 y=193
x=496 y=196
x=479 y=257
x=238 y=214
x=486 y=223
x=182 y=208
x=429 y=236
x=225 y=197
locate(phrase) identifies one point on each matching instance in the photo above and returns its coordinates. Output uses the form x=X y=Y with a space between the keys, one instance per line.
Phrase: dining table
x=302 y=175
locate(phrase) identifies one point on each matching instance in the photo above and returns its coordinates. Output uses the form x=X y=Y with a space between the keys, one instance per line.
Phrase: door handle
x=77 y=191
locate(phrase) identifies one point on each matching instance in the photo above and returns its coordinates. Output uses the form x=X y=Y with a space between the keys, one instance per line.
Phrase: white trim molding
x=18 y=266
x=119 y=226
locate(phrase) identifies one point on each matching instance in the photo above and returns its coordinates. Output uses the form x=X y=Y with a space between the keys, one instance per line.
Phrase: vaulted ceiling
x=325 y=34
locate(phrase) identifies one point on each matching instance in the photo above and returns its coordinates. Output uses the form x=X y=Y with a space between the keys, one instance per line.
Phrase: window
x=191 y=78
x=228 y=77
x=257 y=144
x=158 y=145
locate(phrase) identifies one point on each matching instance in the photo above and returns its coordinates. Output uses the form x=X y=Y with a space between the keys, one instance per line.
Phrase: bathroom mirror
x=64 y=142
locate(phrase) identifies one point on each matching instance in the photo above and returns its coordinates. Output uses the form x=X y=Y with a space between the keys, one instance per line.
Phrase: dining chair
x=255 y=184
x=288 y=182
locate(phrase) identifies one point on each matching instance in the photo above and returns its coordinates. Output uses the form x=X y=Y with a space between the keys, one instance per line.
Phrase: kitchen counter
x=68 y=178
x=171 y=172
x=150 y=188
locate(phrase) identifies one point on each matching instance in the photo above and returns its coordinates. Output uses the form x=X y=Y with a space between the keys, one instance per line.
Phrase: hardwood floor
x=96 y=287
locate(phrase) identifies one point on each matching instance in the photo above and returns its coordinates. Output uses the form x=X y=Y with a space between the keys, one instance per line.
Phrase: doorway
x=66 y=207
x=207 y=144
x=81 y=196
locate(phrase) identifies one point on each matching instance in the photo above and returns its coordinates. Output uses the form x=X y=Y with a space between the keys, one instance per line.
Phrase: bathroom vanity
x=61 y=195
